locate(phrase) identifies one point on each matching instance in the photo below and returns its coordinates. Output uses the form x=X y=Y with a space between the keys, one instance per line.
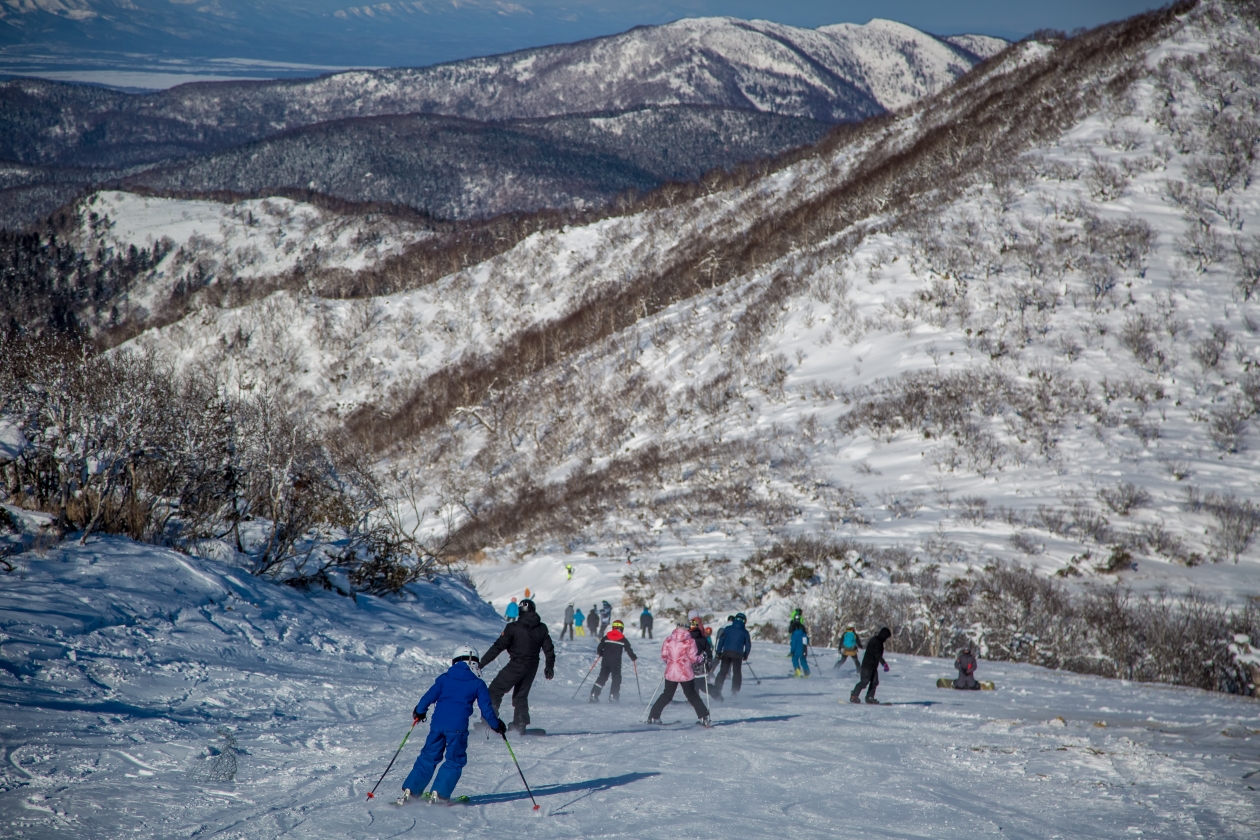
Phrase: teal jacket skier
x=452 y=694
x=800 y=653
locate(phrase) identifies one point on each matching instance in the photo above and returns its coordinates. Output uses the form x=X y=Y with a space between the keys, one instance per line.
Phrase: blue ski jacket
x=454 y=693
x=735 y=640
x=799 y=640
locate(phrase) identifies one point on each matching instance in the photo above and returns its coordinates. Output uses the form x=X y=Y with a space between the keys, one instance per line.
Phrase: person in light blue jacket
x=512 y=612
x=452 y=694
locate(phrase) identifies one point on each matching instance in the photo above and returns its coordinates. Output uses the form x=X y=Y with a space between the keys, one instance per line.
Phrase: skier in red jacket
x=609 y=652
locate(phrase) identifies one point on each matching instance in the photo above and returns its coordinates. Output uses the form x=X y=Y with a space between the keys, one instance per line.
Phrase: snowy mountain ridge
x=784 y=396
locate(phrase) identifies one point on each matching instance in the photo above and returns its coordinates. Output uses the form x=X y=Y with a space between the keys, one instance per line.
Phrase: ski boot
x=853 y=698
x=613 y=698
x=434 y=799
x=872 y=701
x=655 y=722
x=706 y=722
x=404 y=799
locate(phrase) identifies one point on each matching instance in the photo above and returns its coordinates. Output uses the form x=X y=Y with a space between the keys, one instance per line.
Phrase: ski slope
x=122 y=662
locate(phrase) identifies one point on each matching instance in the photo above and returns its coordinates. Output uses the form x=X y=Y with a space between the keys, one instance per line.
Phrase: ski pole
x=583 y=682
x=751 y=671
x=518 y=770
x=637 y=687
x=649 y=703
x=372 y=793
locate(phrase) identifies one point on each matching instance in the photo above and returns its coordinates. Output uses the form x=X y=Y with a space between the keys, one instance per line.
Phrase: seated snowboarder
x=733 y=648
x=454 y=694
x=849 y=644
x=871 y=660
x=609 y=652
x=681 y=656
x=523 y=640
x=966 y=665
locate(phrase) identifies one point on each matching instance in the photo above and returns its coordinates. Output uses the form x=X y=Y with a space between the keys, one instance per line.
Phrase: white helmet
x=464 y=653
x=693 y=614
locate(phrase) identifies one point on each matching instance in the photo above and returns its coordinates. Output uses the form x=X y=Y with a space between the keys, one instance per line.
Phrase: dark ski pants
x=870 y=677
x=518 y=676
x=966 y=681
x=847 y=656
x=800 y=661
x=737 y=678
x=645 y=631
x=454 y=743
x=689 y=691
x=568 y=628
x=606 y=670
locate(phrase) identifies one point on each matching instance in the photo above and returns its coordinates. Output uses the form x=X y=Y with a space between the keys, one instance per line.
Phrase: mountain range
x=572 y=124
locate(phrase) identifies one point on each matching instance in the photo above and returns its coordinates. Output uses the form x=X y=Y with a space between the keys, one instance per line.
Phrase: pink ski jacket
x=680 y=655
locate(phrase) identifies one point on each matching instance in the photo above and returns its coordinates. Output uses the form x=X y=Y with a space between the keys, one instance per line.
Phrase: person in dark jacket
x=704 y=646
x=609 y=652
x=871 y=660
x=453 y=693
x=605 y=613
x=966 y=665
x=717 y=642
x=645 y=623
x=568 y=622
x=796 y=623
x=733 y=647
x=592 y=622
x=523 y=640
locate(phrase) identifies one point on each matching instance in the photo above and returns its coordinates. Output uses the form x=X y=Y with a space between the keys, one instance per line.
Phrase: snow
x=122 y=664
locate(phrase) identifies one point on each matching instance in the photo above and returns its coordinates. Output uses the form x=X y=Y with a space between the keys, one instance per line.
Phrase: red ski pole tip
x=536 y=807
x=371 y=796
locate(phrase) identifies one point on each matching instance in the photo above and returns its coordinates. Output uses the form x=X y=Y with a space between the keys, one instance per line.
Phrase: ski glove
x=418 y=717
x=501 y=728
x=885 y=667
x=549 y=673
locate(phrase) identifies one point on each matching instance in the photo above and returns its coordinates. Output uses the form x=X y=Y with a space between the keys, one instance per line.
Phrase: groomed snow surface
x=122 y=663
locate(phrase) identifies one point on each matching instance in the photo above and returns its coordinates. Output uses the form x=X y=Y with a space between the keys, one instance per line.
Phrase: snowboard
x=946 y=682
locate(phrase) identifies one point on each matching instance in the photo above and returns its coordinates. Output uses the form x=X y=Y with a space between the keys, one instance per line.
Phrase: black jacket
x=610 y=648
x=702 y=643
x=874 y=656
x=735 y=641
x=522 y=640
x=966 y=663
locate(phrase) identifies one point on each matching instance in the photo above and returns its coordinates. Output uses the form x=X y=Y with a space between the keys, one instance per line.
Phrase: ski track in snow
x=122 y=661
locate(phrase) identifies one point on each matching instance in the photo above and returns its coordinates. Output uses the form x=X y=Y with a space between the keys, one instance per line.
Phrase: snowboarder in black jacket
x=733 y=648
x=966 y=665
x=523 y=640
x=871 y=660
x=609 y=652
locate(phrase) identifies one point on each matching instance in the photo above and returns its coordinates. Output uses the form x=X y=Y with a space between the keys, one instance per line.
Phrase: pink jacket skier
x=681 y=656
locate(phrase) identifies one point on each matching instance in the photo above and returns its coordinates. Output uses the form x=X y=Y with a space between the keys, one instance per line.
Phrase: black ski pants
x=517 y=676
x=844 y=657
x=567 y=628
x=606 y=669
x=645 y=631
x=966 y=680
x=729 y=661
x=870 y=677
x=689 y=691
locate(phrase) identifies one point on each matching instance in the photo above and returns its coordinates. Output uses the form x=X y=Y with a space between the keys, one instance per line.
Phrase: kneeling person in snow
x=871 y=660
x=681 y=656
x=609 y=652
x=966 y=665
x=523 y=640
x=453 y=693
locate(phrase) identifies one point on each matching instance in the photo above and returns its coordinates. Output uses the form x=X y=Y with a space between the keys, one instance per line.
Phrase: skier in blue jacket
x=454 y=694
x=733 y=648
x=800 y=652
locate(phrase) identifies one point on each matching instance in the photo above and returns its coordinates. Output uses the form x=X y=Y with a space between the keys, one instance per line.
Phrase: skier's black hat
x=527 y=606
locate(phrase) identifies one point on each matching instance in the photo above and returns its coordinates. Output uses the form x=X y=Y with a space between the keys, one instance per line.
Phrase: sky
x=235 y=38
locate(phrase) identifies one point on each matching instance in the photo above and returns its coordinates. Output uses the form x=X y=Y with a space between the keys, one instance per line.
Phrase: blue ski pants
x=453 y=742
x=800 y=660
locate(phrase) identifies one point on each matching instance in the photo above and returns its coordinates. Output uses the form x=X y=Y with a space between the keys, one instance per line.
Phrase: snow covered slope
x=134 y=680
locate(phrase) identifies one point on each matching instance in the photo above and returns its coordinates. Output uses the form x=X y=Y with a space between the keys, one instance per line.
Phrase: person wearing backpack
x=733 y=647
x=849 y=644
